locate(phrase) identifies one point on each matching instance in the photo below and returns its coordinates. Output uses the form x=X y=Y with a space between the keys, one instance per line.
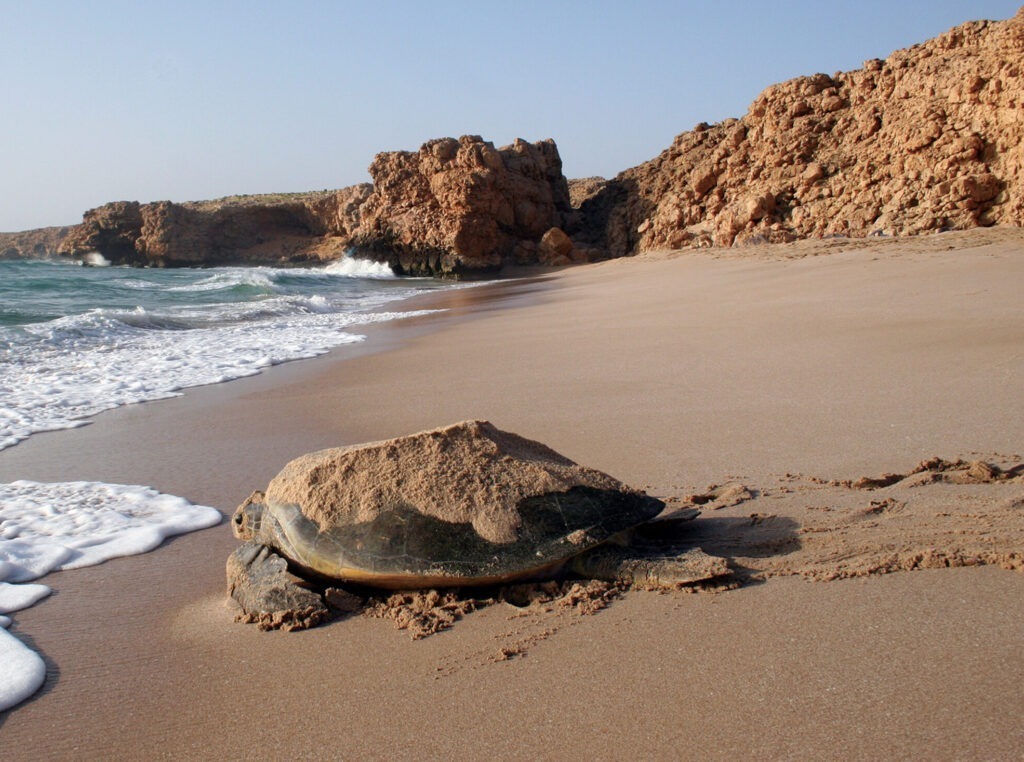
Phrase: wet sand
x=788 y=369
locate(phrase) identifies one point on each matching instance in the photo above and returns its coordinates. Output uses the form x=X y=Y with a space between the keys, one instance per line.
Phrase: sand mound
x=940 y=470
x=469 y=472
x=426 y=612
x=720 y=496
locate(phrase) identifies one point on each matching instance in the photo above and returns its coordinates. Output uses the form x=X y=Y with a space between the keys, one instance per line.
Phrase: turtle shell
x=467 y=504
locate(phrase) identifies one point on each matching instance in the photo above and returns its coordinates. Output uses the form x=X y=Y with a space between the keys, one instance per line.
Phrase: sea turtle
x=465 y=505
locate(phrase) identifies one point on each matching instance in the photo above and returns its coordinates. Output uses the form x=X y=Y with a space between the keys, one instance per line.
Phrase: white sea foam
x=16 y=597
x=359 y=268
x=84 y=364
x=230 y=277
x=22 y=670
x=51 y=527
x=131 y=336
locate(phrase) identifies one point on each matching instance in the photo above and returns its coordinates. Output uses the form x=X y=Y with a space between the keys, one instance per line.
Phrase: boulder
x=555 y=248
x=459 y=207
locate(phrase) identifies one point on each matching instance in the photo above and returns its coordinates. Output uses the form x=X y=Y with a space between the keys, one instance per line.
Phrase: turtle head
x=248 y=517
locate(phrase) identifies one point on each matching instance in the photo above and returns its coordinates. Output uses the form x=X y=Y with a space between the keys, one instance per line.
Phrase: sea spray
x=359 y=268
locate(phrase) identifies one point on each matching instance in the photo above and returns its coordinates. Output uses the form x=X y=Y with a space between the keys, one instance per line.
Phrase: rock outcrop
x=298 y=228
x=931 y=138
x=461 y=206
x=42 y=243
x=453 y=208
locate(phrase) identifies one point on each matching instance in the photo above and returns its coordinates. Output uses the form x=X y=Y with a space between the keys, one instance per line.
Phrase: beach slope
x=760 y=384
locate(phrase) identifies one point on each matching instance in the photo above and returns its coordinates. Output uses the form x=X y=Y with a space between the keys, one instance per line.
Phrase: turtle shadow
x=754 y=536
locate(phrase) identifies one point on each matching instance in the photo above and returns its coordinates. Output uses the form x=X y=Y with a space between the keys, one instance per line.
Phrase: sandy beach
x=792 y=370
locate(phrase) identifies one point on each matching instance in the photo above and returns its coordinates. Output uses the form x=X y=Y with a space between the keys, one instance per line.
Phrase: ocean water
x=75 y=341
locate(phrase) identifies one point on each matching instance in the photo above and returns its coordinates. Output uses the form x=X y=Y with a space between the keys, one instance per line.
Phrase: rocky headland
x=926 y=140
x=267 y=229
x=929 y=139
x=32 y=244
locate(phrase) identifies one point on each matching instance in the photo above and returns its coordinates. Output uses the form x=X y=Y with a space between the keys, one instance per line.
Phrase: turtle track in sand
x=940 y=514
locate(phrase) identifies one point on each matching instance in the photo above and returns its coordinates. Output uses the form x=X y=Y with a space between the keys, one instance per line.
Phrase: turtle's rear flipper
x=259 y=582
x=620 y=565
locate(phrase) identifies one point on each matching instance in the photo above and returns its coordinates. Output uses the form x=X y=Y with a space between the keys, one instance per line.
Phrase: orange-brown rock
x=112 y=229
x=931 y=138
x=461 y=206
x=453 y=208
x=555 y=248
x=277 y=229
x=41 y=243
x=583 y=188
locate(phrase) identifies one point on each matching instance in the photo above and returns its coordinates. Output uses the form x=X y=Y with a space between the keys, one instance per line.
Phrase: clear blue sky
x=184 y=100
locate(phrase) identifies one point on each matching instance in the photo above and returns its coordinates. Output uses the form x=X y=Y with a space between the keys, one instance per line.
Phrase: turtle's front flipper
x=258 y=580
x=619 y=564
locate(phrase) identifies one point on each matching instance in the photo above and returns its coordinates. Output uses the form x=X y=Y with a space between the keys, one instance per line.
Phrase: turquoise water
x=77 y=340
x=39 y=291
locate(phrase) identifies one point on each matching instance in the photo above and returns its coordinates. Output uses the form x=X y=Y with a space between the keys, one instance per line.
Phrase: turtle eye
x=238 y=518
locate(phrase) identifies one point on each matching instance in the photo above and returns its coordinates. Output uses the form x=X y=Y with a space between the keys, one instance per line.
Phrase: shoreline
x=670 y=372
x=43 y=457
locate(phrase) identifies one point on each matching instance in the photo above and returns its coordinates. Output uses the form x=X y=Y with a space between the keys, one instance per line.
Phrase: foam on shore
x=117 y=359
x=68 y=525
x=75 y=342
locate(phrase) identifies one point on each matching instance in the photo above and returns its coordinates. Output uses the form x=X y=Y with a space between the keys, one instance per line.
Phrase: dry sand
x=758 y=383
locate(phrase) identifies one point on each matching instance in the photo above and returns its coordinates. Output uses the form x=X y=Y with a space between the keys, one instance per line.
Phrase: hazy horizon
x=111 y=101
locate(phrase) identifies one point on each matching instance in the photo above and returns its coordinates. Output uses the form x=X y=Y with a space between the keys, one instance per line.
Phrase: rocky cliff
x=459 y=206
x=32 y=244
x=453 y=208
x=295 y=228
x=931 y=138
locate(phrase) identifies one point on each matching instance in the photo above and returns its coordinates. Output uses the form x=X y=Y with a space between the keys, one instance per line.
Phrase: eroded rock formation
x=42 y=243
x=454 y=207
x=928 y=139
x=239 y=230
x=931 y=138
x=458 y=206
